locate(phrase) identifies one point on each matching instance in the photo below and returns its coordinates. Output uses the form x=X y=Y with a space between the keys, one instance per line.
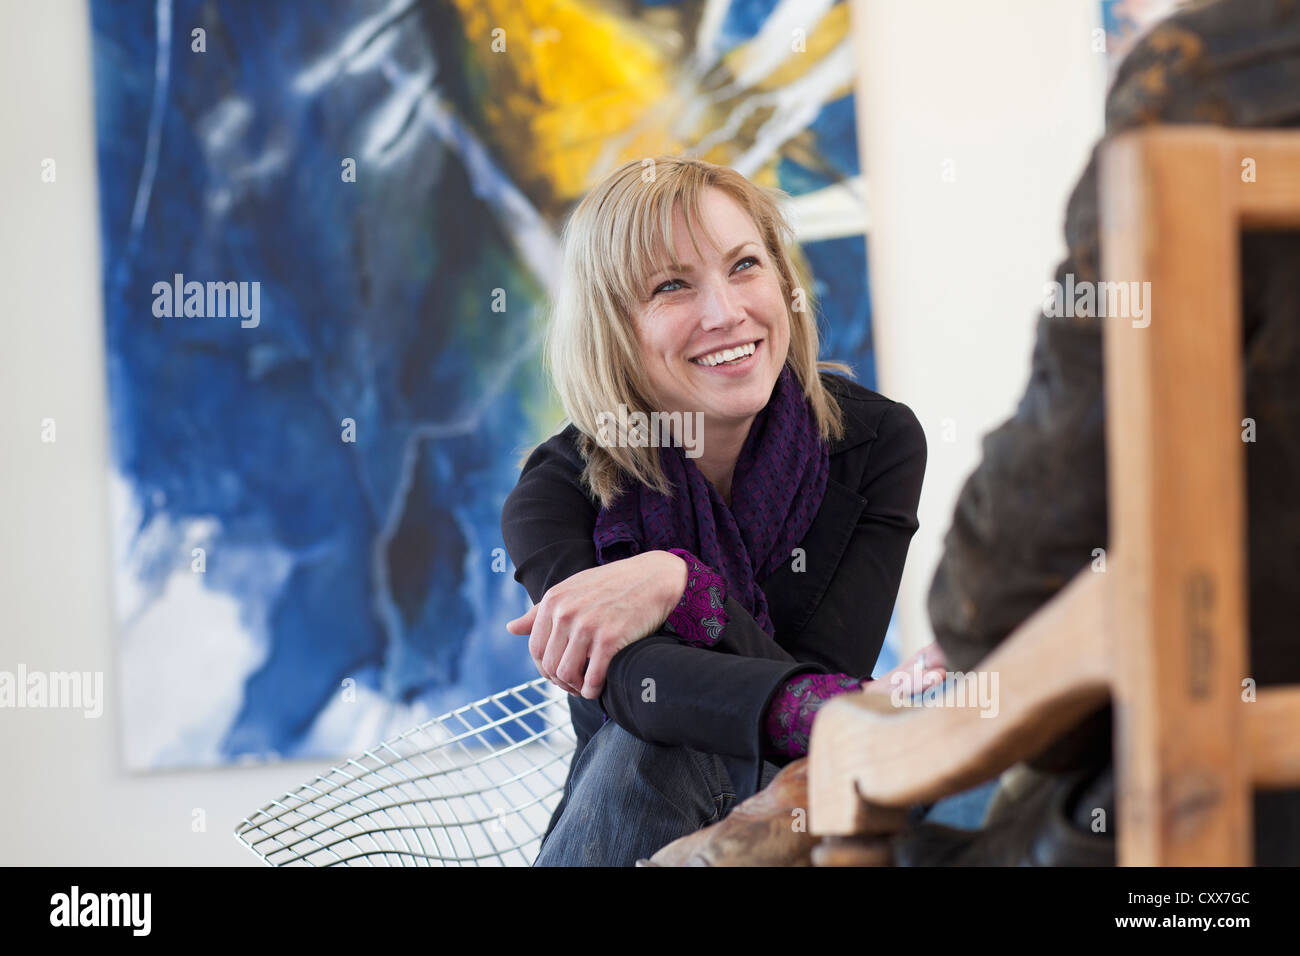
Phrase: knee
x=628 y=798
x=618 y=768
x=617 y=755
x=614 y=740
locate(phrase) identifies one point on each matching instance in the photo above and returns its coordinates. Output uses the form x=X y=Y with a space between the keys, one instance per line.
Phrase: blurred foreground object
x=1162 y=630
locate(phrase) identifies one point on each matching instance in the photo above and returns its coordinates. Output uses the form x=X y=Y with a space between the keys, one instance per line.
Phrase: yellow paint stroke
x=829 y=33
x=573 y=77
x=579 y=89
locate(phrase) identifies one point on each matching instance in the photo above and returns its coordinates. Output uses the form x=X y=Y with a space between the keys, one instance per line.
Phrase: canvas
x=328 y=234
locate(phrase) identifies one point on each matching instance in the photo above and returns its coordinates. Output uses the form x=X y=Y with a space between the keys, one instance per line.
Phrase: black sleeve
x=547 y=525
x=667 y=692
x=548 y=521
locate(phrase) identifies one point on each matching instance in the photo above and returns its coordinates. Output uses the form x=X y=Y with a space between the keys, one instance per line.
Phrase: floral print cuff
x=790 y=715
x=699 y=617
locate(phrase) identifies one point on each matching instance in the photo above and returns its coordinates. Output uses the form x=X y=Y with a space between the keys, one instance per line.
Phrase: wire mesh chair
x=474 y=787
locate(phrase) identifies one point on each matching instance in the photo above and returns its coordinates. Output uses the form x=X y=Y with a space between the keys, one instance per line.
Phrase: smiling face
x=726 y=296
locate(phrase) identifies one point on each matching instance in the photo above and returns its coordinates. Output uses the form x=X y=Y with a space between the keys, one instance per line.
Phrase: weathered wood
x=1164 y=629
x=1176 y=479
x=1273 y=737
x=1051 y=672
x=853 y=851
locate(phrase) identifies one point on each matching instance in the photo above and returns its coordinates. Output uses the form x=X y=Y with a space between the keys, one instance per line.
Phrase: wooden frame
x=1163 y=631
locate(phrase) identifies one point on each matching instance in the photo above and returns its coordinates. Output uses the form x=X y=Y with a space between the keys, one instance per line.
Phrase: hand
x=583 y=621
x=929 y=662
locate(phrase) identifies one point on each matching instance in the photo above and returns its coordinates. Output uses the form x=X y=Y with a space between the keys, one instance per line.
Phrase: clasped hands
x=582 y=622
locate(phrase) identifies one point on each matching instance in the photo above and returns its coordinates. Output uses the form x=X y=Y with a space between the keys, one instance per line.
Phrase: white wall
x=65 y=799
x=1011 y=93
x=1008 y=89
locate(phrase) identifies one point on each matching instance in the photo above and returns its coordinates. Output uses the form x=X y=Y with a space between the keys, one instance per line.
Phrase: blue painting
x=329 y=230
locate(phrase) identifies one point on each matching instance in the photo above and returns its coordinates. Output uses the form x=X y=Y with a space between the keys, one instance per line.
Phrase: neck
x=719 y=452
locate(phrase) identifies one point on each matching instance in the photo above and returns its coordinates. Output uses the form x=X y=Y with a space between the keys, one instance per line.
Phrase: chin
x=743 y=406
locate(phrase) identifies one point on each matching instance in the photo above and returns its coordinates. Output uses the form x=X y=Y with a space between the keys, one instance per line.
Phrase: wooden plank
x=1165 y=628
x=866 y=753
x=1273 y=737
x=1176 y=499
x=1263 y=168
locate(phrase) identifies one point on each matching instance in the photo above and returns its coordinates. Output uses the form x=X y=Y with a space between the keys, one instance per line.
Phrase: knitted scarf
x=776 y=491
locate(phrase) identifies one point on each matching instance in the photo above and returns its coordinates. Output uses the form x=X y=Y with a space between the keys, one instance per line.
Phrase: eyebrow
x=683 y=267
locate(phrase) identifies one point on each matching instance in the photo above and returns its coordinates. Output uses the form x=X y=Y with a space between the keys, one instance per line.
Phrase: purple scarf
x=776 y=491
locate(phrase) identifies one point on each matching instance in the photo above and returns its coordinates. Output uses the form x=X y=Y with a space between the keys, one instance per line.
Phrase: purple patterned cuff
x=700 y=615
x=790 y=715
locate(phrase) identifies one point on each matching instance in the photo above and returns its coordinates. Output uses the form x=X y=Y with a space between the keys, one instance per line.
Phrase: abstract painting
x=328 y=233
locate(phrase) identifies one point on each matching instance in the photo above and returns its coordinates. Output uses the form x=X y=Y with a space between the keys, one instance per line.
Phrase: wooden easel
x=1163 y=631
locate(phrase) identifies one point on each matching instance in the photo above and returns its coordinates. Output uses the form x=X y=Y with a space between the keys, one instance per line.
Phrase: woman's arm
x=583 y=621
x=847 y=627
x=547 y=524
x=792 y=712
x=841 y=641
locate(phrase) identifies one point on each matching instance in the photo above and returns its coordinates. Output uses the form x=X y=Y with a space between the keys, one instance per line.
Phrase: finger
x=574 y=661
x=597 y=668
x=524 y=623
x=543 y=624
x=546 y=637
x=565 y=687
x=555 y=646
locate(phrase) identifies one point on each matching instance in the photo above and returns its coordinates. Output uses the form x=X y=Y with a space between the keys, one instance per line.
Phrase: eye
x=665 y=286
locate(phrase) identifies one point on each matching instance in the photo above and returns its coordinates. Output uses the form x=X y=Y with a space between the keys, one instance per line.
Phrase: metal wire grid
x=474 y=787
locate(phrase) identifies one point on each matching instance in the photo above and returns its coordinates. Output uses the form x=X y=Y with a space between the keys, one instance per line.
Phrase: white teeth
x=727 y=355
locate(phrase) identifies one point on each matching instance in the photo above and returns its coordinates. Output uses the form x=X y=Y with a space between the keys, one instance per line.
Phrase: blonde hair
x=613 y=242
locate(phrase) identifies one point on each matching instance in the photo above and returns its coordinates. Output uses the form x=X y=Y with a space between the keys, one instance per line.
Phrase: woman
x=699 y=596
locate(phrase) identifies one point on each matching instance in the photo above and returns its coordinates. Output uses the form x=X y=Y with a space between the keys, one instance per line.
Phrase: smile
x=729 y=358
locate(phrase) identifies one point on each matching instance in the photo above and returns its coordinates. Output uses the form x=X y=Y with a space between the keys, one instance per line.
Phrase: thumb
x=524 y=623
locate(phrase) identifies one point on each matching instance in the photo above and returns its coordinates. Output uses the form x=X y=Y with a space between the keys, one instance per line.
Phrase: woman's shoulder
x=560 y=453
x=845 y=387
x=868 y=414
x=552 y=475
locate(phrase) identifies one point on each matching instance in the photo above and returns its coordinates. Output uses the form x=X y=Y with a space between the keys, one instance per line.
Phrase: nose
x=723 y=305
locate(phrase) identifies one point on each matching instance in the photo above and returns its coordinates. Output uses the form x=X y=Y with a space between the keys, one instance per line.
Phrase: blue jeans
x=626 y=799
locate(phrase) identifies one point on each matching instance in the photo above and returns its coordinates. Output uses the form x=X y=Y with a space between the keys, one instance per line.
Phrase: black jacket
x=829 y=615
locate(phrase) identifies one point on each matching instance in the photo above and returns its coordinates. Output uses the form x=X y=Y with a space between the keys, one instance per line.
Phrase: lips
x=717 y=353
x=736 y=368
